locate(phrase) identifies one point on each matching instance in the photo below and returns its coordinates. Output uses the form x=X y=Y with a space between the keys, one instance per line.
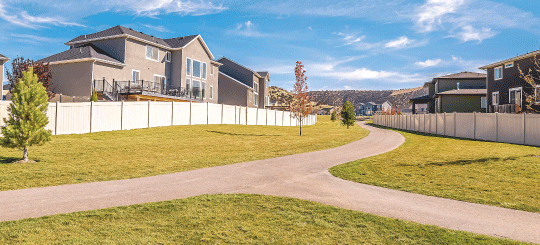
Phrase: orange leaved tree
x=301 y=106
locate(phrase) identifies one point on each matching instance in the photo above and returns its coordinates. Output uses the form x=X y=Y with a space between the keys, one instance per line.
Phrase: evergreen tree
x=27 y=119
x=347 y=114
x=94 y=96
x=333 y=117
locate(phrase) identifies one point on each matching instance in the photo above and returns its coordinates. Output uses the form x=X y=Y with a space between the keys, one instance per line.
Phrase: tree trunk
x=25 y=155
x=300 y=127
x=347 y=126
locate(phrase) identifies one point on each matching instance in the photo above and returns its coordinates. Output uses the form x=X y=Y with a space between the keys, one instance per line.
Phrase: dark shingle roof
x=464 y=92
x=120 y=30
x=87 y=51
x=3 y=57
x=464 y=75
x=263 y=73
x=234 y=62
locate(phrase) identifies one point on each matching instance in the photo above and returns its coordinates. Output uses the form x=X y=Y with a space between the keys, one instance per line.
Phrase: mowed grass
x=497 y=174
x=231 y=219
x=70 y=159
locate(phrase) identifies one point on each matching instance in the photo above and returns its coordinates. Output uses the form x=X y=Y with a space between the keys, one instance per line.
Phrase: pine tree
x=94 y=96
x=27 y=119
x=347 y=114
x=333 y=117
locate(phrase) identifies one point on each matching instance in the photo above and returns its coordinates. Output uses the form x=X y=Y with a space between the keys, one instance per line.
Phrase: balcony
x=119 y=89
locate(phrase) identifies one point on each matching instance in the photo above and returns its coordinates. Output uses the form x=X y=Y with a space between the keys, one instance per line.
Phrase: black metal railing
x=110 y=91
x=120 y=88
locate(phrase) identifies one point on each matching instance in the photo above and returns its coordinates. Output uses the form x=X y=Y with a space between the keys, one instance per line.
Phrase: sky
x=361 y=44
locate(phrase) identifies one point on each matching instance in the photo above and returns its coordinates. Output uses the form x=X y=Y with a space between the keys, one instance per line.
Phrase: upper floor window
x=495 y=98
x=203 y=89
x=168 y=56
x=152 y=53
x=204 y=70
x=211 y=92
x=256 y=86
x=136 y=75
x=509 y=65
x=256 y=99
x=196 y=89
x=196 y=68
x=188 y=67
x=498 y=73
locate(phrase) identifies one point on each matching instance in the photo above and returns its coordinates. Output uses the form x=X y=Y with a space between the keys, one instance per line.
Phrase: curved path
x=303 y=176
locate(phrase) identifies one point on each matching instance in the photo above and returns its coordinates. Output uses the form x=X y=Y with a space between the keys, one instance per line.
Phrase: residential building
x=506 y=88
x=386 y=106
x=372 y=108
x=3 y=60
x=361 y=109
x=460 y=92
x=242 y=86
x=123 y=63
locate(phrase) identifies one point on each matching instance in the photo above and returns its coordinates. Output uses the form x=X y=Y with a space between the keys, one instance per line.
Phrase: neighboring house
x=505 y=87
x=3 y=60
x=242 y=86
x=386 y=106
x=405 y=109
x=5 y=92
x=372 y=108
x=123 y=63
x=361 y=109
x=460 y=92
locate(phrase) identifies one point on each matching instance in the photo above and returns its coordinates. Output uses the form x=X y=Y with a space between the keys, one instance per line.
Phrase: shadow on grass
x=8 y=160
x=235 y=134
x=471 y=161
x=428 y=134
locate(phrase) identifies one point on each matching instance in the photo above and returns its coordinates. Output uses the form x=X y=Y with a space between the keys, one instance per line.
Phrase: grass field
x=233 y=219
x=70 y=159
x=490 y=173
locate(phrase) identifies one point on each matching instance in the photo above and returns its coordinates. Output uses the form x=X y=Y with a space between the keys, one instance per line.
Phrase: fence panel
x=279 y=118
x=199 y=113
x=433 y=123
x=510 y=128
x=532 y=130
x=4 y=112
x=440 y=124
x=73 y=118
x=272 y=117
x=252 y=116
x=135 y=115
x=214 y=113
x=51 y=114
x=449 y=124
x=261 y=116
x=485 y=127
x=181 y=113
x=106 y=116
x=466 y=125
x=422 y=123
x=229 y=114
x=160 y=114
x=242 y=115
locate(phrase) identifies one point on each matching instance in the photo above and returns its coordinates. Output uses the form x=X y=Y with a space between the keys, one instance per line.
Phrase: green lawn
x=490 y=173
x=233 y=219
x=70 y=159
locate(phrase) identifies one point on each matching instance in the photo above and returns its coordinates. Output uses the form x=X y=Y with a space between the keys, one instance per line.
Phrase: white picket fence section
x=89 y=117
x=498 y=127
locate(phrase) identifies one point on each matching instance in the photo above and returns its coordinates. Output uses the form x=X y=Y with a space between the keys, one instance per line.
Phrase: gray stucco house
x=123 y=63
x=242 y=86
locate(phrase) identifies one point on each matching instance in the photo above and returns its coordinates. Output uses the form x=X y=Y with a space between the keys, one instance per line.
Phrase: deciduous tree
x=532 y=77
x=42 y=70
x=347 y=114
x=301 y=105
x=27 y=119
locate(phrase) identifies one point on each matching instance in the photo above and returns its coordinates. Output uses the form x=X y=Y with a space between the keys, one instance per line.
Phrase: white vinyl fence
x=89 y=117
x=499 y=127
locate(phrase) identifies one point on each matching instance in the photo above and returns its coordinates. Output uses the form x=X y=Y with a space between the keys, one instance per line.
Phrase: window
x=188 y=67
x=483 y=102
x=204 y=70
x=168 y=56
x=498 y=73
x=152 y=53
x=203 y=90
x=211 y=92
x=249 y=95
x=188 y=86
x=514 y=96
x=509 y=65
x=136 y=75
x=159 y=85
x=256 y=99
x=256 y=86
x=211 y=70
x=196 y=68
x=495 y=98
x=197 y=89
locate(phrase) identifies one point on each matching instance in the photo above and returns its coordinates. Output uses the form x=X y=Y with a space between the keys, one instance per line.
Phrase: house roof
x=263 y=73
x=519 y=57
x=3 y=58
x=241 y=83
x=225 y=58
x=421 y=99
x=84 y=53
x=120 y=31
x=464 y=92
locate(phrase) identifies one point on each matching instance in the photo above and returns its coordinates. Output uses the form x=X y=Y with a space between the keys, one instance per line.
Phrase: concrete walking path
x=303 y=176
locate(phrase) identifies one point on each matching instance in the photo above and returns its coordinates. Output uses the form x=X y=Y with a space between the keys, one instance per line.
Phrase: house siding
x=196 y=51
x=263 y=91
x=461 y=103
x=233 y=93
x=73 y=79
x=116 y=47
x=136 y=60
x=237 y=72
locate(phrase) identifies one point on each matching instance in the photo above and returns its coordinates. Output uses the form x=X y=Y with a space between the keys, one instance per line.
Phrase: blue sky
x=362 y=44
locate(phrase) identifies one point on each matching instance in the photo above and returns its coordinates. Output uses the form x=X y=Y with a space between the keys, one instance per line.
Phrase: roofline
x=237 y=81
x=215 y=63
x=84 y=60
x=254 y=72
x=4 y=58
x=204 y=46
x=520 y=57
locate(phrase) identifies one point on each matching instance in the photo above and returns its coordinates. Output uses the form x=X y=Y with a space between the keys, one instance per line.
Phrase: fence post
x=91 y=107
x=207 y=112
x=246 y=115
x=474 y=124
x=222 y=109
x=190 y=104
x=444 y=124
x=172 y=113
x=148 y=114
x=455 y=118
x=496 y=127
x=283 y=118
x=122 y=115
x=524 y=128
x=436 y=123
x=235 y=117
x=56 y=119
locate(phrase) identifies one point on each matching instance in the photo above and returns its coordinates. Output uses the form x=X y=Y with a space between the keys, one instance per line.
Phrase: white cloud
x=349 y=39
x=358 y=43
x=156 y=28
x=399 y=43
x=428 y=63
x=26 y=20
x=153 y=8
x=470 y=33
x=247 y=29
x=430 y=15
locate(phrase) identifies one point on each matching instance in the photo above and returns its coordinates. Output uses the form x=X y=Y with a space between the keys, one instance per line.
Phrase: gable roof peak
x=254 y=72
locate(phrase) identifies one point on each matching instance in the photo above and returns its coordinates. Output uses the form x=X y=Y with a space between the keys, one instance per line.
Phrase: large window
x=256 y=86
x=188 y=67
x=495 y=98
x=159 y=85
x=136 y=75
x=203 y=89
x=197 y=89
x=196 y=68
x=498 y=73
x=514 y=96
x=204 y=70
x=188 y=86
x=152 y=53
x=256 y=99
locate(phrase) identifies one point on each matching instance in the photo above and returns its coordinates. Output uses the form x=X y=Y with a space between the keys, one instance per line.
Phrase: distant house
x=372 y=108
x=505 y=87
x=3 y=60
x=361 y=111
x=242 y=86
x=120 y=62
x=460 y=92
x=386 y=106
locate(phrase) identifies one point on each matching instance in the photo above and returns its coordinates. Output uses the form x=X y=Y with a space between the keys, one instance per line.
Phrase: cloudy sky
x=360 y=44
